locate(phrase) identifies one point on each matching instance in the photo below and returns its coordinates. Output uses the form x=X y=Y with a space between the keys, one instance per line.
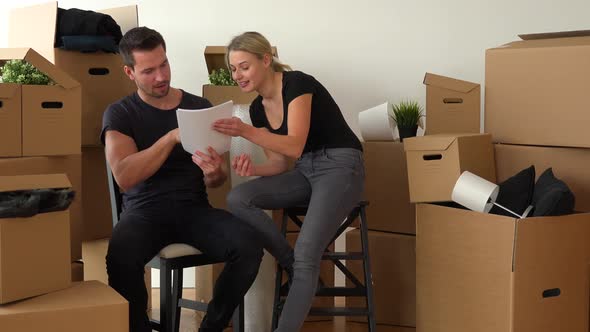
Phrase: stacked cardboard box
x=493 y=273
x=102 y=81
x=391 y=223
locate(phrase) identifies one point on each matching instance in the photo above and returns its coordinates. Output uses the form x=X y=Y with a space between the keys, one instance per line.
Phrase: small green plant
x=221 y=76
x=407 y=114
x=22 y=72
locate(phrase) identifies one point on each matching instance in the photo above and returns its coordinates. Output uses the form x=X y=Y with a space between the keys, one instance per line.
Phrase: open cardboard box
x=100 y=74
x=483 y=272
x=537 y=90
x=452 y=105
x=39 y=120
x=435 y=162
x=34 y=251
x=217 y=94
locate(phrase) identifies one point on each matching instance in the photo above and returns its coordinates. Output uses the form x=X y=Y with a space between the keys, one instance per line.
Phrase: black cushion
x=516 y=193
x=552 y=197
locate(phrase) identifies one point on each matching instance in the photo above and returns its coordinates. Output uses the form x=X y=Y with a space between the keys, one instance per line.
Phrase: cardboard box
x=435 y=162
x=216 y=94
x=87 y=306
x=50 y=113
x=387 y=189
x=97 y=217
x=100 y=74
x=10 y=120
x=69 y=165
x=452 y=105
x=77 y=271
x=95 y=268
x=569 y=165
x=34 y=251
x=394 y=276
x=482 y=272
x=536 y=92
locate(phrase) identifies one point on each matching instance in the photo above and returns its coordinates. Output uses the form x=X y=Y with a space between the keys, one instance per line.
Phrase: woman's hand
x=242 y=165
x=230 y=126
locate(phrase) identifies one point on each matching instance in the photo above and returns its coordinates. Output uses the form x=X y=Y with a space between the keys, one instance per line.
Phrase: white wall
x=364 y=52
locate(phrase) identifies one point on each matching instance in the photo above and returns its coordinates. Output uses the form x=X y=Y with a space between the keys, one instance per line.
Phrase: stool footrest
x=338 y=311
x=343 y=255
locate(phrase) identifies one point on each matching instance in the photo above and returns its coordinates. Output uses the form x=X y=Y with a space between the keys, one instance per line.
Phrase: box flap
x=34 y=26
x=39 y=62
x=39 y=181
x=126 y=17
x=215 y=57
x=449 y=83
x=8 y=90
x=558 y=34
x=439 y=142
x=544 y=43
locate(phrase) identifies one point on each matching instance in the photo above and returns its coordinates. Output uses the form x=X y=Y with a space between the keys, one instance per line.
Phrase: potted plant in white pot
x=406 y=115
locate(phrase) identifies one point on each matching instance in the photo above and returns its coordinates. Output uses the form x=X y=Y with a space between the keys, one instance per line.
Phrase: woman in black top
x=294 y=117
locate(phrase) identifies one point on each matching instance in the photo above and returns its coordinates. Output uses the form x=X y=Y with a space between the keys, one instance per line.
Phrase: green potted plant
x=406 y=115
x=22 y=72
x=221 y=76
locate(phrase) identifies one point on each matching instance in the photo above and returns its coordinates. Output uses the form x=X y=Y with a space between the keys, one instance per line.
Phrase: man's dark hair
x=143 y=39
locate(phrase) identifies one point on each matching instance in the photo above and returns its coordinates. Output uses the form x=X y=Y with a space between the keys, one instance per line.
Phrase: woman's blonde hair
x=255 y=43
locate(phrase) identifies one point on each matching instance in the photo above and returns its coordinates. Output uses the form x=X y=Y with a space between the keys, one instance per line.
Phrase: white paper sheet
x=196 y=132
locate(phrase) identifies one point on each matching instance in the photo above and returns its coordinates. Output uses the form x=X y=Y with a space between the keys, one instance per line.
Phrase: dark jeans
x=331 y=182
x=141 y=234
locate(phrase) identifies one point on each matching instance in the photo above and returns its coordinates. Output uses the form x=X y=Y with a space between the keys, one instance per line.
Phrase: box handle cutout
x=429 y=157
x=453 y=100
x=0 y=103
x=98 y=71
x=554 y=292
x=52 y=104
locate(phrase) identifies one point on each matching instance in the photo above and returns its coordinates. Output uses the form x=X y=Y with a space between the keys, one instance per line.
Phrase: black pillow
x=552 y=197
x=516 y=193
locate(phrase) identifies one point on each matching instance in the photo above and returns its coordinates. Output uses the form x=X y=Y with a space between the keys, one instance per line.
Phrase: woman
x=295 y=117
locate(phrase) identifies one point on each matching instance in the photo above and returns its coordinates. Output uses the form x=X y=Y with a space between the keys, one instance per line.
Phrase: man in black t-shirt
x=164 y=189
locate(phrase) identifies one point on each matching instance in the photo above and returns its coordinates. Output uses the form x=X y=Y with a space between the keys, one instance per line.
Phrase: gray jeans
x=331 y=181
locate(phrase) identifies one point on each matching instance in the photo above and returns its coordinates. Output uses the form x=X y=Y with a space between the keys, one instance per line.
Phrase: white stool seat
x=178 y=250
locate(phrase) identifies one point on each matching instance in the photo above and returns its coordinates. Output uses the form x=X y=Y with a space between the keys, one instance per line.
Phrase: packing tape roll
x=376 y=124
x=474 y=192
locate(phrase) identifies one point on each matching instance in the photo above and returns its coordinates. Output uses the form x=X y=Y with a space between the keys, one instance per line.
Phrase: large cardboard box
x=77 y=271
x=452 y=105
x=393 y=266
x=97 y=217
x=49 y=114
x=387 y=189
x=69 y=165
x=216 y=94
x=569 y=165
x=100 y=74
x=482 y=272
x=435 y=162
x=34 y=251
x=536 y=92
x=87 y=306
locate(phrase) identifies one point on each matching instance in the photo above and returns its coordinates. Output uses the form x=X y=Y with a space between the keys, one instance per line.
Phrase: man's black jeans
x=142 y=233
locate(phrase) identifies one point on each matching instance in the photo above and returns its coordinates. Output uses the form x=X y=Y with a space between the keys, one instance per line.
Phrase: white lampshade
x=474 y=192
x=376 y=124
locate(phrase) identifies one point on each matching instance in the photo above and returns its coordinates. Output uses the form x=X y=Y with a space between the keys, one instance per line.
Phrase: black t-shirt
x=179 y=178
x=328 y=129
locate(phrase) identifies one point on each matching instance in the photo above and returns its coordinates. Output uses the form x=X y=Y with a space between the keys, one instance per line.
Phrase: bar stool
x=359 y=289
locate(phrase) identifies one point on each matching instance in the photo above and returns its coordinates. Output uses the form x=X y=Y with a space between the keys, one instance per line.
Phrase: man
x=164 y=194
